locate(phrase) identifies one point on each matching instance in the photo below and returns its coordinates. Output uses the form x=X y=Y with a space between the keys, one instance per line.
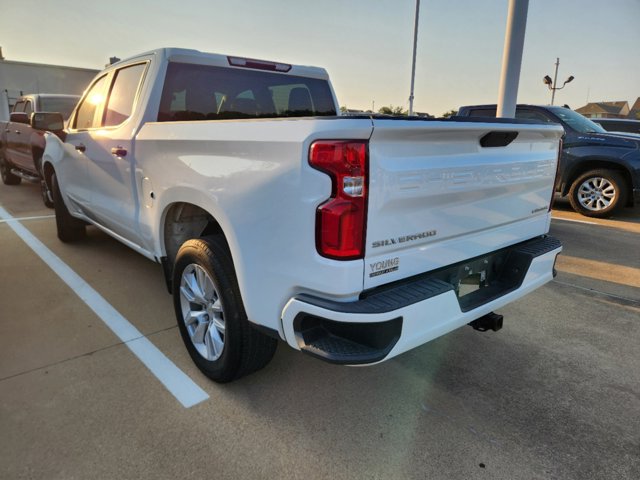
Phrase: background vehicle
x=353 y=239
x=621 y=125
x=21 y=146
x=600 y=171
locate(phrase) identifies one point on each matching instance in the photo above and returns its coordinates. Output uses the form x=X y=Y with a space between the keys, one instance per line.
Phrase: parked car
x=353 y=239
x=599 y=171
x=619 y=125
x=21 y=146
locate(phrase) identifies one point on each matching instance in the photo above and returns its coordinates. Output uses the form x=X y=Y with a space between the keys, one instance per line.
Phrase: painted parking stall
x=180 y=385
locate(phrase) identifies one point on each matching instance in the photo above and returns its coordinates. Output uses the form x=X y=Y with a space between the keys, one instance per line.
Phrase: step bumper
x=395 y=318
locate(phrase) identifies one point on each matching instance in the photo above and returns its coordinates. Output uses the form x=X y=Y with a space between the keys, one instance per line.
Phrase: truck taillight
x=557 y=175
x=341 y=220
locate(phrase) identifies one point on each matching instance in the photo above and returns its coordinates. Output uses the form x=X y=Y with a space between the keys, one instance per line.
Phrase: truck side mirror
x=50 y=121
x=19 y=117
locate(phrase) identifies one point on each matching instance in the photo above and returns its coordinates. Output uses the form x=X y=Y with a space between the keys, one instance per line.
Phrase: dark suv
x=599 y=170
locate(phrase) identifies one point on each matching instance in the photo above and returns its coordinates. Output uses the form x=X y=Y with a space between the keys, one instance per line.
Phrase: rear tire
x=8 y=178
x=598 y=193
x=69 y=228
x=210 y=313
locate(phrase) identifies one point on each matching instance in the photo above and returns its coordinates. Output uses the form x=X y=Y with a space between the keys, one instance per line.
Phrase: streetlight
x=413 y=64
x=552 y=83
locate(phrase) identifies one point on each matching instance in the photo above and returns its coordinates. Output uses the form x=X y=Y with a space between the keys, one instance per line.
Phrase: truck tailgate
x=437 y=196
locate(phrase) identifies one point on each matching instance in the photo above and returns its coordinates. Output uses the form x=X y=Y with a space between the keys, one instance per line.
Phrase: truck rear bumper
x=392 y=319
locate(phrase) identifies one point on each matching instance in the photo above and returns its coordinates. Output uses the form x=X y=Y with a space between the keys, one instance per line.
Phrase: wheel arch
x=38 y=142
x=47 y=172
x=181 y=221
x=37 y=152
x=52 y=154
x=598 y=163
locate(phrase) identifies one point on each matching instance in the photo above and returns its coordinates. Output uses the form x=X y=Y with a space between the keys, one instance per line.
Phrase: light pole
x=413 y=64
x=512 y=58
x=552 y=84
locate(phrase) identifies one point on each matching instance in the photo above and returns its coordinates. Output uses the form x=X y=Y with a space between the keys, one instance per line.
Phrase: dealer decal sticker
x=384 y=266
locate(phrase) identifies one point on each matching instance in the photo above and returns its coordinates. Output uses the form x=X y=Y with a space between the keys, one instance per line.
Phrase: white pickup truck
x=353 y=239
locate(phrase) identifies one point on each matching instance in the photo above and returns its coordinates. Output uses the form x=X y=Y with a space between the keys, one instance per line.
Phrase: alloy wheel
x=596 y=193
x=202 y=312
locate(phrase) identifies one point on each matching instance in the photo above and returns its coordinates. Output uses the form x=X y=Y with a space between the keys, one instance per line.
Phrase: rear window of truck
x=63 y=105
x=203 y=92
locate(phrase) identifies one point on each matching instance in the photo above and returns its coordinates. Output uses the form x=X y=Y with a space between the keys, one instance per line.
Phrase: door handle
x=81 y=148
x=17 y=131
x=119 y=151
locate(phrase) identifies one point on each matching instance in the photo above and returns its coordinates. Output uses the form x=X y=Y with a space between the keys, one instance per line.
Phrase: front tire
x=598 y=193
x=47 y=196
x=8 y=178
x=210 y=313
x=45 y=191
x=69 y=228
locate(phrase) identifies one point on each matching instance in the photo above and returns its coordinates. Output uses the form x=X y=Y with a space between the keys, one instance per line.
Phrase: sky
x=365 y=45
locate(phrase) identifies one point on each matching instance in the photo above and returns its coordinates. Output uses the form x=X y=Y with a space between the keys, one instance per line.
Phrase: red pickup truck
x=21 y=146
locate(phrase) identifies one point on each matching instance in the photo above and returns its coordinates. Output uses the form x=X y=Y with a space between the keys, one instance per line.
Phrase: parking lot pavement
x=31 y=333
x=555 y=394
x=600 y=255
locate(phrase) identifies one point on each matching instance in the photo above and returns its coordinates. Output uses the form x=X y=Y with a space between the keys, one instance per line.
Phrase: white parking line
x=575 y=221
x=175 y=380
x=20 y=219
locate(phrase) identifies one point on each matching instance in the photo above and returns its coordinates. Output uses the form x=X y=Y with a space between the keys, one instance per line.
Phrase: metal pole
x=413 y=65
x=555 y=79
x=512 y=57
x=4 y=106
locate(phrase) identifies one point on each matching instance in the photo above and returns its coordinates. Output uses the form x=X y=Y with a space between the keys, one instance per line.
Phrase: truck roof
x=493 y=105
x=47 y=95
x=186 y=55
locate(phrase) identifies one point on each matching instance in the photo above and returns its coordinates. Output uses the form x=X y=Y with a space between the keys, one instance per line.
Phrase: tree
x=391 y=110
x=343 y=109
x=450 y=113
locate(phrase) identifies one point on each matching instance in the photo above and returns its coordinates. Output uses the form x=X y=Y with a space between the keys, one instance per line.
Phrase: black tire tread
x=257 y=348
x=43 y=189
x=8 y=178
x=254 y=349
x=68 y=227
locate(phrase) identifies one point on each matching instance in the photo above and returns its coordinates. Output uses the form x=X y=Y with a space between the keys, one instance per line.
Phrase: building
x=634 y=113
x=17 y=78
x=611 y=110
x=605 y=109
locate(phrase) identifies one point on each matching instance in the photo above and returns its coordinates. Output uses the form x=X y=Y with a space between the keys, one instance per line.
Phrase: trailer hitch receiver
x=490 y=321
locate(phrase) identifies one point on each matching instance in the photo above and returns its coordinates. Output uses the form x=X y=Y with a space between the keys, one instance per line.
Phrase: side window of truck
x=87 y=115
x=533 y=115
x=123 y=93
x=18 y=107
